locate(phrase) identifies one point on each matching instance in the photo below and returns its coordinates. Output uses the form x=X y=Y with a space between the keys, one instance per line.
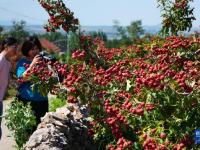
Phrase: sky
x=90 y=12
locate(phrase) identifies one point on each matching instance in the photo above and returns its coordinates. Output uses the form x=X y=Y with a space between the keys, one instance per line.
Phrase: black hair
x=9 y=41
x=29 y=44
x=36 y=41
x=26 y=47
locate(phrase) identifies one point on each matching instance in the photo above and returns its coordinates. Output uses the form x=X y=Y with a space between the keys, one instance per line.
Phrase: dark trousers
x=39 y=108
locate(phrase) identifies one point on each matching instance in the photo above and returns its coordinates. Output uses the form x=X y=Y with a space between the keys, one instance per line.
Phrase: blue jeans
x=1 y=113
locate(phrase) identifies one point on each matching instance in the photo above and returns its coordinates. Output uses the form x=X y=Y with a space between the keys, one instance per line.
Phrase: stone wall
x=66 y=129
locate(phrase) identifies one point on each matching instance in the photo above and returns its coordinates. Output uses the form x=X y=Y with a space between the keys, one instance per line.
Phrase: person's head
x=36 y=41
x=9 y=46
x=31 y=47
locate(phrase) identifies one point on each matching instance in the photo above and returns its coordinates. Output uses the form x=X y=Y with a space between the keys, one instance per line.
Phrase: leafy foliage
x=18 y=30
x=55 y=103
x=144 y=96
x=135 y=29
x=20 y=120
x=139 y=97
x=177 y=16
x=99 y=34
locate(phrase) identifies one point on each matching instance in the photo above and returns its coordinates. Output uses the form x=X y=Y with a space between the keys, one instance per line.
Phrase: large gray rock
x=66 y=129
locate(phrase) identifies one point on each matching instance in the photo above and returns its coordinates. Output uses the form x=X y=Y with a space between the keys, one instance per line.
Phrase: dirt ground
x=6 y=142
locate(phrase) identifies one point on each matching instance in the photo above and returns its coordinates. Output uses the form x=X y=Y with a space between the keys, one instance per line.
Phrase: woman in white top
x=8 y=49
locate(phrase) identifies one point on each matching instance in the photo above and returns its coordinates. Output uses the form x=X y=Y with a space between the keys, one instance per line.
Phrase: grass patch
x=55 y=103
x=11 y=92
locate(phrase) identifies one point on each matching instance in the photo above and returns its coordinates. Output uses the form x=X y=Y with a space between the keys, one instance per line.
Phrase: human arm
x=23 y=72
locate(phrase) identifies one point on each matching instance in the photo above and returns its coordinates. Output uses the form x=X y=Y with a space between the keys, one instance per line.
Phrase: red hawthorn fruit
x=144 y=136
x=166 y=143
x=163 y=135
x=150 y=107
x=140 y=112
x=153 y=131
x=162 y=147
x=110 y=147
x=20 y=80
x=182 y=145
x=72 y=89
x=71 y=99
x=65 y=66
x=141 y=105
x=137 y=90
x=90 y=132
x=133 y=110
x=150 y=144
x=129 y=105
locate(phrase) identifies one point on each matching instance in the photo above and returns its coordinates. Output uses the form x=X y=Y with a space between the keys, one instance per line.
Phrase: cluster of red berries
x=150 y=76
x=122 y=144
x=180 y=77
x=133 y=49
x=140 y=108
x=115 y=73
x=151 y=143
x=86 y=43
x=115 y=117
x=186 y=141
x=160 y=51
x=109 y=54
x=114 y=112
x=78 y=54
x=60 y=16
x=175 y=42
x=73 y=76
x=112 y=122
x=72 y=99
x=180 y=4
x=41 y=71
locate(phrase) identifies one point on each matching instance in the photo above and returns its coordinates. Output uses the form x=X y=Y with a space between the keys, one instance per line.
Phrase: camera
x=44 y=55
x=47 y=57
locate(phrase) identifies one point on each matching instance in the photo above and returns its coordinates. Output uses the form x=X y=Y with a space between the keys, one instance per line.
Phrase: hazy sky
x=90 y=12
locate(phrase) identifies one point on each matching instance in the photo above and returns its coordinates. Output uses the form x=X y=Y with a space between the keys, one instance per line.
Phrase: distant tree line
x=69 y=41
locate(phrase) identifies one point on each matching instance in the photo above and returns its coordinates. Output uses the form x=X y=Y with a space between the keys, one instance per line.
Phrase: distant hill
x=30 y=28
x=109 y=30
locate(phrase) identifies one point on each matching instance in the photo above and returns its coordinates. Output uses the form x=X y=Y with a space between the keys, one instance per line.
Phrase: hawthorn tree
x=139 y=97
x=60 y=16
x=177 y=16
